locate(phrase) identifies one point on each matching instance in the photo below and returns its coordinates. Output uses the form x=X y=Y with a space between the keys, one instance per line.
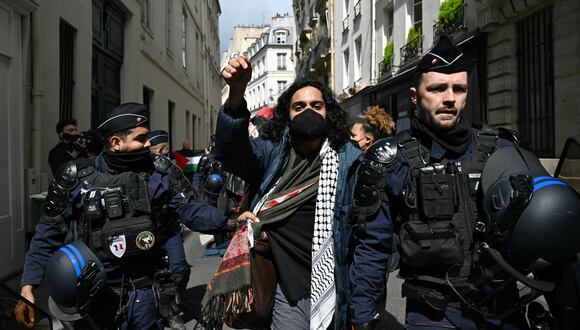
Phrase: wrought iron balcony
x=412 y=48
x=456 y=23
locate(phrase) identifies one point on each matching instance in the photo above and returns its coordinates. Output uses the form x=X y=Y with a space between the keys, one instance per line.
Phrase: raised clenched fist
x=238 y=72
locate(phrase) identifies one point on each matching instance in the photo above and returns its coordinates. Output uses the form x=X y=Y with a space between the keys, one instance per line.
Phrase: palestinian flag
x=187 y=164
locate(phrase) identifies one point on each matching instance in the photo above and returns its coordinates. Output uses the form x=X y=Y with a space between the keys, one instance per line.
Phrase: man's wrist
x=27 y=288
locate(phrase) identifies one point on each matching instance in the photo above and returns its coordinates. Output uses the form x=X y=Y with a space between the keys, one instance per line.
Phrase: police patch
x=145 y=240
x=117 y=245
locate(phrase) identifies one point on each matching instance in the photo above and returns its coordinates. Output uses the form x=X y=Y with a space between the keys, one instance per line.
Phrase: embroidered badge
x=117 y=245
x=145 y=240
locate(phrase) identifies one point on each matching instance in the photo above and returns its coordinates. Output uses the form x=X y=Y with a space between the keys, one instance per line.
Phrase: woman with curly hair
x=300 y=180
x=374 y=125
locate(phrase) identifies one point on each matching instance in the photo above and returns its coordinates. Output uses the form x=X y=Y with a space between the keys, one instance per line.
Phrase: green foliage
x=449 y=14
x=388 y=52
x=414 y=38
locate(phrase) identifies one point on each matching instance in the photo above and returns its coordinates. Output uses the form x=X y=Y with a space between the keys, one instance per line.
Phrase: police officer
x=173 y=282
x=123 y=205
x=423 y=186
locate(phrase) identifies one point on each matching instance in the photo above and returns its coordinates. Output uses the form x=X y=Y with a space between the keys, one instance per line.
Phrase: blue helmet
x=74 y=274
x=214 y=183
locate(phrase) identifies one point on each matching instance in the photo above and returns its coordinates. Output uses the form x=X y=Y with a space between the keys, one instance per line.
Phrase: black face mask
x=308 y=125
x=67 y=137
x=139 y=161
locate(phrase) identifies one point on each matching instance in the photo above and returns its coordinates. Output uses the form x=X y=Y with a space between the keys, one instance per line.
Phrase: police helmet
x=214 y=183
x=538 y=215
x=533 y=224
x=74 y=274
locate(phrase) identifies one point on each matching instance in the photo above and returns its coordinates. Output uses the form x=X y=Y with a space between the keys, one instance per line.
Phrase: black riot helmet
x=533 y=224
x=538 y=216
x=74 y=274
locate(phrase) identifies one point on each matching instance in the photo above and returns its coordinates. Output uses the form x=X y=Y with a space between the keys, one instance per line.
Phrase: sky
x=247 y=12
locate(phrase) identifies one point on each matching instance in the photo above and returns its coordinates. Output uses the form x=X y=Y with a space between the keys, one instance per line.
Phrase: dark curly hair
x=337 y=129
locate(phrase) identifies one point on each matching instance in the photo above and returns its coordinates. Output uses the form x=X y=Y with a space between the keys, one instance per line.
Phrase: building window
x=194 y=130
x=168 y=25
x=389 y=19
x=280 y=37
x=281 y=61
x=357 y=59
x=357 y=9
x=535 y=55
x=171 y=118
x=146 y=14
x=199 y=62
x=265 y=93
x=187 y=125
x=418 y=14
x=345 y=57
x=184 y=38
x=281 y=86
x=147 y=97
x=67 y=83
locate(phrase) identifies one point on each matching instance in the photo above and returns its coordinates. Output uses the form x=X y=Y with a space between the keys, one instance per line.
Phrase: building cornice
x=23 y=6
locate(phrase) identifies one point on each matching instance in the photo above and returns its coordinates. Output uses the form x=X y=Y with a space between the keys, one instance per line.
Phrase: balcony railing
x=357 y=8
x=456 y=23
x=412 y=48
x=345 y=23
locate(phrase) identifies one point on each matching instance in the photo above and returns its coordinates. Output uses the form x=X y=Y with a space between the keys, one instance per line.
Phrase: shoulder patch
x=162 y=163
x=383 y=150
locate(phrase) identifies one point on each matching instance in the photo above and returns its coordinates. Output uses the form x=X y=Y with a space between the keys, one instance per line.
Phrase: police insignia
x=145 y=240
x=117 y=245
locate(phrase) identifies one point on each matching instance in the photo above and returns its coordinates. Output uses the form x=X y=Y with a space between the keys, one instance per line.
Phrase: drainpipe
x=37 y=92
x=331 y=37
x=373 y=44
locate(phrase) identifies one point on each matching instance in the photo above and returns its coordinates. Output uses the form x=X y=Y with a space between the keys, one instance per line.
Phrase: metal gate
x=536 y=82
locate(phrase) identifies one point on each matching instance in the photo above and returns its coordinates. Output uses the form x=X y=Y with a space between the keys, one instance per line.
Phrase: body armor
x=118 y=219
x=440 y=215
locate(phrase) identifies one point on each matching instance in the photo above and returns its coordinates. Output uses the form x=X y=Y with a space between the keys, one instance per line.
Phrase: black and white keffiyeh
x=322 y=289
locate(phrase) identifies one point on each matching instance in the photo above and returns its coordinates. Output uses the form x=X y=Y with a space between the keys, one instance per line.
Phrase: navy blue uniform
x=375 y=246
x=196 y=215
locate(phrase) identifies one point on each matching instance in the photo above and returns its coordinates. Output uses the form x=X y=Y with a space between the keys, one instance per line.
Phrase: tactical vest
x=440 y=213
x=118 y=218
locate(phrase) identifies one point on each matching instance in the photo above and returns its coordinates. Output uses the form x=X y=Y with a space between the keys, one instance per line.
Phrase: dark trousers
x=420 y=316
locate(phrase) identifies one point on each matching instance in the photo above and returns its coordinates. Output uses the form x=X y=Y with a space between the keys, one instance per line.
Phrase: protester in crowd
x=298 y=181
x=66 y=149
x=375 y=124
x=187 y=160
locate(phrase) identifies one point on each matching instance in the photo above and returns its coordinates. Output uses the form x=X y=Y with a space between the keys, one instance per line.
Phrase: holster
x=424 y=295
